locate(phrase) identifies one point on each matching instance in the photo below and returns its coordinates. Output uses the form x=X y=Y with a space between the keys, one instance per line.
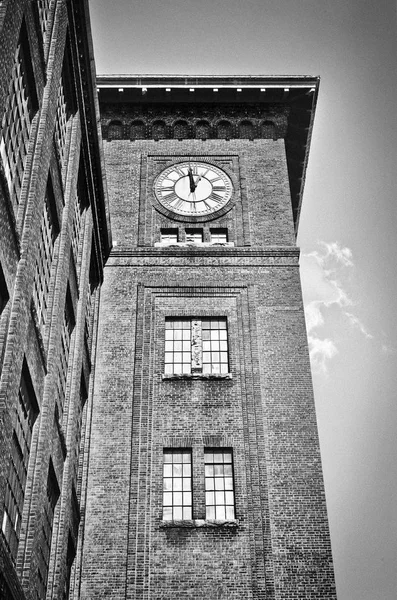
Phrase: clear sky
x=347 y=231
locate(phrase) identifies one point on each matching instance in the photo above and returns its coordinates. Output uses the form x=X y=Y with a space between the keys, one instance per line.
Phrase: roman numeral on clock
x=171 y=198
x=216 y=198
x=180 y=172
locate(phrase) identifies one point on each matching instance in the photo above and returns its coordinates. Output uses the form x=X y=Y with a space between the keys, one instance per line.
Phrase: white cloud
x=320 y=352
x=325 y=277
x=356 y=322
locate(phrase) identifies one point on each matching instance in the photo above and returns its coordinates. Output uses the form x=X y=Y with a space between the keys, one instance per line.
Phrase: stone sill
x=197 y=523
x=211 y=376
x=194 y=245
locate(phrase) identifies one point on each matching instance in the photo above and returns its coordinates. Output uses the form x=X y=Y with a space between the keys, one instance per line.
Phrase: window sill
x=198 y=523
x=195 y=244
x=166 y=376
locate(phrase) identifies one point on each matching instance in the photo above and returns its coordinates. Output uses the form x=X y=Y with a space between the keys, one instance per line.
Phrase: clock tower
x=204 y=477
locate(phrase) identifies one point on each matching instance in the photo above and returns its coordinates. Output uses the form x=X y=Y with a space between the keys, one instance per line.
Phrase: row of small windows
x=200 y=130
x=171 y=236
x=178 y=485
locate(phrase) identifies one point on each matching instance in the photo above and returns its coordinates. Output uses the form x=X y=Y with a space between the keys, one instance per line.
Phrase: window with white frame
x=196 y=346
x=169 y=236
x=219 y=488
x=194 y=236
x=177 y=485
x=218 y=236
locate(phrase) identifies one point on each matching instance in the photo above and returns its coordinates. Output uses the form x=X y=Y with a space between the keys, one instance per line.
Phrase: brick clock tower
x=204 y=479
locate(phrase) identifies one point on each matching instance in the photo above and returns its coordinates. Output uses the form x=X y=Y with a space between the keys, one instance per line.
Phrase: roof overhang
x=298 y=92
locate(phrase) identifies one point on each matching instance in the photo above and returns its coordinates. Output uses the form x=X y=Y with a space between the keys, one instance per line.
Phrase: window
x=196 y=346
x=177 y=485
x=194 y=236
x=21 y=105
x=44 y=12
x=219 y=494
x=169 y=236
x=4 y=295
x=46 y=531
x=48 y=233
x=61 y=120
x=77 y=226
x=218 y=236
x=66 y=332
x=26 y=413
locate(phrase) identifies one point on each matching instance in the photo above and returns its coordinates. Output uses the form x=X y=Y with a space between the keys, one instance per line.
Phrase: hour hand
x=191 y=180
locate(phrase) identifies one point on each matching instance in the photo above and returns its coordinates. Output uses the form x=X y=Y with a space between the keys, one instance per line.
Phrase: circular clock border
x=168 y=212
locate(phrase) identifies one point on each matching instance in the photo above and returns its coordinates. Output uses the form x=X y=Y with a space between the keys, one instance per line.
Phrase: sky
x=347 y=232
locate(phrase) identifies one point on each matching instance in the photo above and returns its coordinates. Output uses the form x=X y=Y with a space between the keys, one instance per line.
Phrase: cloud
x=325 y=277
x=356 y=322
x=320 y=352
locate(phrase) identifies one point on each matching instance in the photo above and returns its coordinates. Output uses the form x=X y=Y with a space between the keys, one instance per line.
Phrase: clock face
x=193 y=188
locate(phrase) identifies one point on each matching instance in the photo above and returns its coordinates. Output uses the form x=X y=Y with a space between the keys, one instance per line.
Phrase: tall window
x=46 y=531
x=4 y=295
x=77 y=225
x=61 y=121
x=196 y=346
x=20 y=108
x=219 y=493
x=177 y=485
x=26 y=413
x=48 y=233
x=66 y=332
x=66 y=105
x=44 y=13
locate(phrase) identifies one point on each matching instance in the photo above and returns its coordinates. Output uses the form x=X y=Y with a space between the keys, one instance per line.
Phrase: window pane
x=187 y=512
x=210 y=512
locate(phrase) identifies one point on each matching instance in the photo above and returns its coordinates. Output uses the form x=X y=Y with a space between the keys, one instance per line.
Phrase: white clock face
x=193 y=188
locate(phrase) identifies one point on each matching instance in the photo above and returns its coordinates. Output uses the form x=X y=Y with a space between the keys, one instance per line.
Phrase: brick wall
x=278 y=547
x=23 y=341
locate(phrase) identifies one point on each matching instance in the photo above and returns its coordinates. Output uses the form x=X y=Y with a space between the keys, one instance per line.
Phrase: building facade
x=206 y=478
x=158 y=436
x=54 y=240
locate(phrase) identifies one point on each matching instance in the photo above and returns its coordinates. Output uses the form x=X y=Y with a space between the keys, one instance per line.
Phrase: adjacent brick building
x=158 y=433
x=54 y=241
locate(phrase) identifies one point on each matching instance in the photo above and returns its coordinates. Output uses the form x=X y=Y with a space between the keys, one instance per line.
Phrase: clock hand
x=191 y=180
